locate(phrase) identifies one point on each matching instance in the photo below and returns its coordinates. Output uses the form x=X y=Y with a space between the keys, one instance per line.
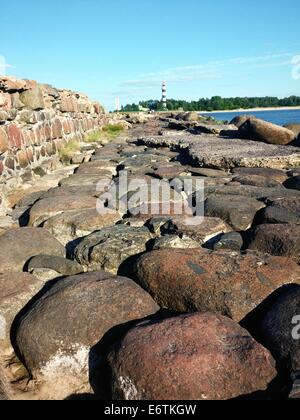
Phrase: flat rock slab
x=269 y=173
x=223 y=282
x=190 y=357
x=56 y=333
x=21 y=244
x=225 y=153
x=238 y=211
x=82 y=179
x=46 y=208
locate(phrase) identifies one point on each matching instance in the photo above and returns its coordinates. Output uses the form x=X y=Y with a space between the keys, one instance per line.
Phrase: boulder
x=295 y=128
x=78 y=180
x=60 y=265
x=75 y=224
x=16 y=290
x=33 y=98
x=269 y=173
x=238 y=211
x=277 y=239
x=285 y=210
x=201 y=230
x=293 y=183
x=110 y=247
x=190 y=116
x=279 y=329
x=239 y=120
x=46 y=208
x=257 y=181
x=260 y=130
x=170 y=172
x=208 y=172
x=55 y=334
x=222 y=282
x=175 y=242
x=259 y=193
x=190 y=357
x=231 y=240
x=20 y=244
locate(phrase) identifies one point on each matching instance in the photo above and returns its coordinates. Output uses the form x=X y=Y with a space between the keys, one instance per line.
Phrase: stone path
x=162 y=302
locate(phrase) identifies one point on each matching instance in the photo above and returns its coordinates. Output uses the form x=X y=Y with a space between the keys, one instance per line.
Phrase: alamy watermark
x=152 y=197
x=296 y=67
x=296 y=329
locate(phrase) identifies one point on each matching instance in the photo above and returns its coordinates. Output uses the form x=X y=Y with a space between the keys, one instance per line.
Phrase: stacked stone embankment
x=36 y=121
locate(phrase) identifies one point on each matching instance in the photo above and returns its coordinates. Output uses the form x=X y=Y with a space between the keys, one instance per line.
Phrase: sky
x=127 y=48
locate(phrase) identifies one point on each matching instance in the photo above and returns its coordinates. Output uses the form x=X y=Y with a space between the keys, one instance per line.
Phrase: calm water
x=276 y=117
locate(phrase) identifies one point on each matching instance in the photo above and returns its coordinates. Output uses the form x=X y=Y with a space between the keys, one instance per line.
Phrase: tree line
x=216 y=103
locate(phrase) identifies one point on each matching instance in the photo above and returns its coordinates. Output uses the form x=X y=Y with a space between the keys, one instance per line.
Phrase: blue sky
x=126 y=48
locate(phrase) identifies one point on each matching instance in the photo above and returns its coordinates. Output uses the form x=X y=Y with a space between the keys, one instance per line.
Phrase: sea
x=280 y=117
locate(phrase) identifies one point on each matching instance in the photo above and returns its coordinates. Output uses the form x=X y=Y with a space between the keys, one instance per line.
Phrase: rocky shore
x=130 y=304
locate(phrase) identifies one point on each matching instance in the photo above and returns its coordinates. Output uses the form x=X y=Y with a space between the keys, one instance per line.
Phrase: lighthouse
x=164 y=95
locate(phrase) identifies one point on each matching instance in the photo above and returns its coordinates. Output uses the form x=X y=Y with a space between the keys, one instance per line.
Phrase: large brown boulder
x=55 y=334
x=260 y=130
x=282 y=240
x=20 y=244
x=223 y=282
x=190 y=357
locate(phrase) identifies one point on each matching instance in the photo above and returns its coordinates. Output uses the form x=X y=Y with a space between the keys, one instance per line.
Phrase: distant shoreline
x=284 y=108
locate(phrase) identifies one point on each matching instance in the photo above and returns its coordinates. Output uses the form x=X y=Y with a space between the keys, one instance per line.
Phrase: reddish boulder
x=191 y=357
x=282 y=240
x=223 y=282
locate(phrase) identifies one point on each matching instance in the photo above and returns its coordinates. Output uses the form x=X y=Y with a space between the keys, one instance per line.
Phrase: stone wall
x=36 y=120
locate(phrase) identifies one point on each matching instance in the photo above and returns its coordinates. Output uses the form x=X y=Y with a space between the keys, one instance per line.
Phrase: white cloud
x=207 y=71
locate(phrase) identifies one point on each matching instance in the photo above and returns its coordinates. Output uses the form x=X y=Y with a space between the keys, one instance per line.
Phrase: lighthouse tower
x=164 y=95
